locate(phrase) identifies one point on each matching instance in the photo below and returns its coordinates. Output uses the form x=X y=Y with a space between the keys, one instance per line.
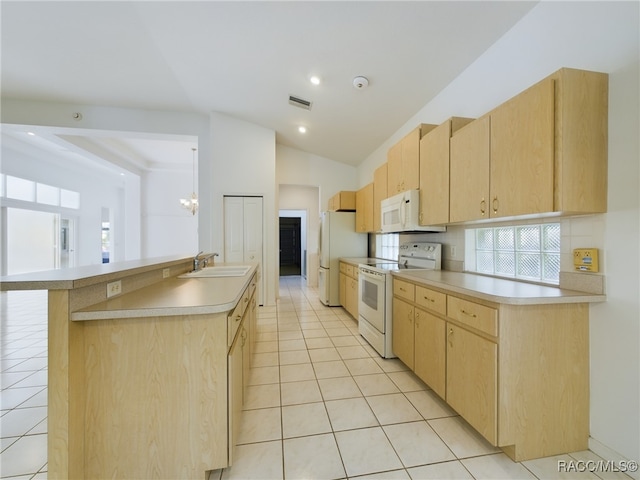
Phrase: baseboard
x=607 y=453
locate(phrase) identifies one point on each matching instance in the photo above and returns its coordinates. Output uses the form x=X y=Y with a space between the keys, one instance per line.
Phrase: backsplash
x=576 y=232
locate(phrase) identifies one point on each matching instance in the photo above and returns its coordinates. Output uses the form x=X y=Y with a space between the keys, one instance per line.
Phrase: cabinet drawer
x=473 y=314
x=404 y=290
x=431 y=299
x=347 y=270
x=235 y=317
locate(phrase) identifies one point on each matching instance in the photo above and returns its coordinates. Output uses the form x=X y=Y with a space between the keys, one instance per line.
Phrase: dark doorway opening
x=290 y=248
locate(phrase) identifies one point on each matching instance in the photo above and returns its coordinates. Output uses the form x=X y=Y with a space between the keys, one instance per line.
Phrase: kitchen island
x=147 y=383
x=512 y=358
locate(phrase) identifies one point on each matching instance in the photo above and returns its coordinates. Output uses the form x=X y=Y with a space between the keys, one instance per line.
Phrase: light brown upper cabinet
x=543 y=151
x=522 y=153
x=469 y=172
x=364 y=209
x=434 y=172
x=403 y=161
x=344 y=201
x=379 y=194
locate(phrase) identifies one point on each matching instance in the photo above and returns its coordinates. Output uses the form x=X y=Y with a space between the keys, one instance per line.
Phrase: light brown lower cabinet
x=472 y=380
x=349 y=288
x=430 y=351
x=403 y=340
x=518 y=374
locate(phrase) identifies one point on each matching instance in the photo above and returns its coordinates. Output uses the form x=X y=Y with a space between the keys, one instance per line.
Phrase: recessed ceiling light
x=31 y=133
x=302 y=129
x=315 y=80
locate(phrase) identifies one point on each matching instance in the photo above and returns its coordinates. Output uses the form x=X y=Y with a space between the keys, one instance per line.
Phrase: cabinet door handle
x=495 y=204
x=483 y=207
x=401 y=289
x=469 y=314
x=450 y=337
x=429 y=299
x=238 y=317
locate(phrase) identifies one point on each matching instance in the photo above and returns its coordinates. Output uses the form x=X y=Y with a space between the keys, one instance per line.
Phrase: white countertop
x=173 y=296
x=497 y=290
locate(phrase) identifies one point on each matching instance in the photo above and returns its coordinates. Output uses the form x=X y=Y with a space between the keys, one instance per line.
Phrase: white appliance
x=400 y=213
x=338 y=238
x=375 y=292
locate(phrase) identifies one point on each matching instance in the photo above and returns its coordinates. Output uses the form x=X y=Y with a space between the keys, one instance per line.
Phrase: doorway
x=290 y=246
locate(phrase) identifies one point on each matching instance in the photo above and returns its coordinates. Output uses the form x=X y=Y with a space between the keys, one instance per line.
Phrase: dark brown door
x=290 y=252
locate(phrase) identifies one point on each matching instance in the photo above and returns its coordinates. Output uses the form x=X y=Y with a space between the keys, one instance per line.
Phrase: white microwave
x=400 y=214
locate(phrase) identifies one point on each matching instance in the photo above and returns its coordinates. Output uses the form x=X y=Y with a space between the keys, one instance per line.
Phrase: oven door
x=371 y=297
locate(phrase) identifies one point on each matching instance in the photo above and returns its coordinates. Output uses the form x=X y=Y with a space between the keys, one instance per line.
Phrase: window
x=527 y=252
x=69 y=199
x=48 y=195
x=388 y=246
x=106 y=242
x=17 y=188
x=21 y=189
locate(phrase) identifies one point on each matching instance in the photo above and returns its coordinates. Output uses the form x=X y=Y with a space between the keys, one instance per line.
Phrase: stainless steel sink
x=219 y=271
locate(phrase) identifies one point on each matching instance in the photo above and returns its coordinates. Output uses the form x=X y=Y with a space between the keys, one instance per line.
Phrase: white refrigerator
x=338 y=238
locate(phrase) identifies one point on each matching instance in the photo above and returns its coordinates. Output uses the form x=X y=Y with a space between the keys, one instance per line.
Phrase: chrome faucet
x=196 y=261
x=211 y=257
x=203 y=262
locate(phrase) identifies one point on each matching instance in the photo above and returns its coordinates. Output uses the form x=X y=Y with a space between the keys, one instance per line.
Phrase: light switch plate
x=166 y=272
x=585 y=259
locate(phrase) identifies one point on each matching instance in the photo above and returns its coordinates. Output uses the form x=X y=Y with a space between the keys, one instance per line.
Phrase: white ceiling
x=244 y=59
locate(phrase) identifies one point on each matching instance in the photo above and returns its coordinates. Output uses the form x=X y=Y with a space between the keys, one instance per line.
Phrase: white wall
x=243 y=162
x=601 y=36
x=296 y=170
x=295 y=167
x=131 y=221
x=169 y=228
x=96 y=191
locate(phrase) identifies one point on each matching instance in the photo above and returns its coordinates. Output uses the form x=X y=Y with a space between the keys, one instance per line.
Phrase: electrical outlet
x=585 y=259
x=166 y=272
x=452 y=251
x=114 y=288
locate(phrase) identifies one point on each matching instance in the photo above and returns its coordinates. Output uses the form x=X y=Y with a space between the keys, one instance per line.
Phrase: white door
x=253 y=229
x=234 y=229
x=243 y=233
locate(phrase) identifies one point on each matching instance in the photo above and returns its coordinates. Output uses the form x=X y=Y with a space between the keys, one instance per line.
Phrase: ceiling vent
x=299 y=102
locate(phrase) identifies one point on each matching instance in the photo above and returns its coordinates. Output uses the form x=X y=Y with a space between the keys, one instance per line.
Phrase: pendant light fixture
x=191 y=203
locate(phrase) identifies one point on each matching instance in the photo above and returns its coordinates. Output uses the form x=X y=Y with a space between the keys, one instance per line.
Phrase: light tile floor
x=321 y=404
x=23 y=379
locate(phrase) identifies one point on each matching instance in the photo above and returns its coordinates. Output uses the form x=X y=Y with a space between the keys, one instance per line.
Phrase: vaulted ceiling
x=245 y=59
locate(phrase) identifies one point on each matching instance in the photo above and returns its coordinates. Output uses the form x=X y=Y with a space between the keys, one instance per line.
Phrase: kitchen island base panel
x=147 y=373
x=159 y=386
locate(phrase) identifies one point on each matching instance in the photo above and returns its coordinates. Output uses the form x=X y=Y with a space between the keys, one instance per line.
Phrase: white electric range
x=375 y=292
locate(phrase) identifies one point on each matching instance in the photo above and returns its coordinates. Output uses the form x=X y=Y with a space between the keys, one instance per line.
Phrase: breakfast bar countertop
x=77 y=277
x=171 y=297
x=497 y=290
